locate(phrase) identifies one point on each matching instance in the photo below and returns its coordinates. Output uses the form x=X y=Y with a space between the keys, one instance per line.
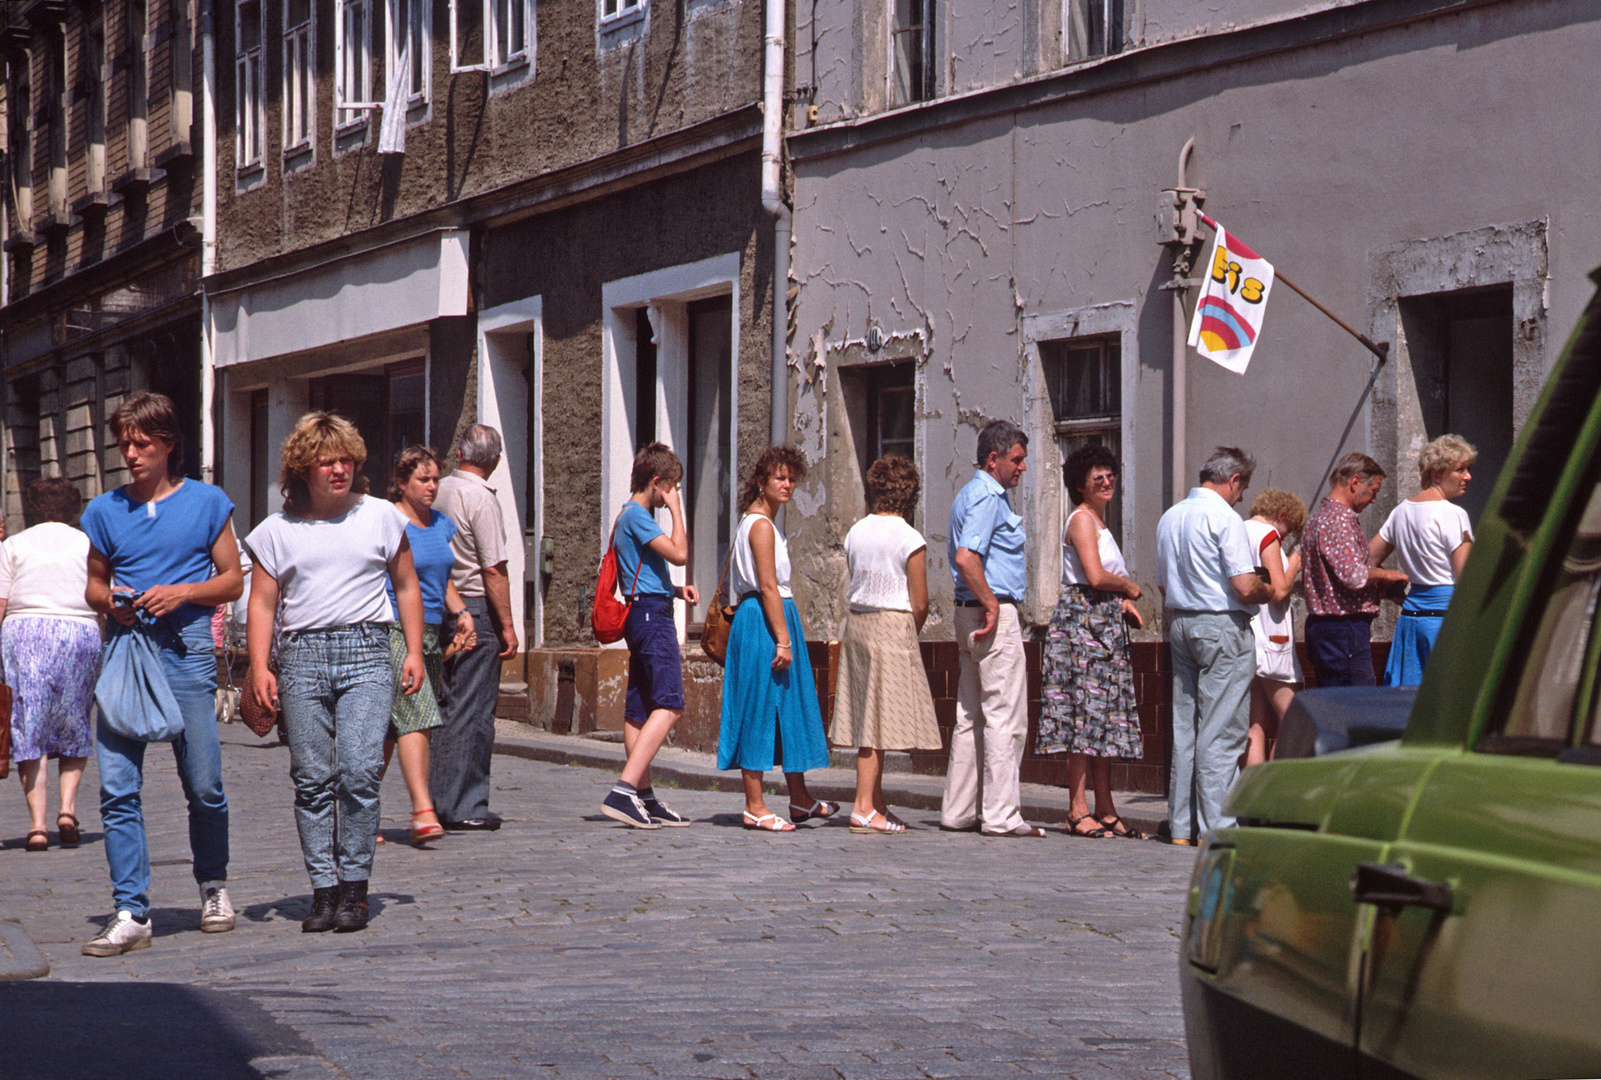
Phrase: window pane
x=1549 y=686
x=299 y=12
x=249 y=25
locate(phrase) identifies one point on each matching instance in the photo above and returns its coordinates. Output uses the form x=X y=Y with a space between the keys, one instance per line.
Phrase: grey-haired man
x=458 y=776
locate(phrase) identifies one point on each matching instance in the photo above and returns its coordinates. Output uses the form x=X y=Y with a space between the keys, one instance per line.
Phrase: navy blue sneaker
x=666 y=815
x=627 y=809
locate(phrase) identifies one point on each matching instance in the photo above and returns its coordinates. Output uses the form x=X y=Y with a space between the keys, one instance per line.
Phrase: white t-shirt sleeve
x=910 y=539
x=264 y=546
x=1387 y=530
x=391 y=528
x=6 y=569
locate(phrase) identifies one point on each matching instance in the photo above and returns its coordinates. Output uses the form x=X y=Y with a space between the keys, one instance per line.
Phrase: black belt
x=980 y=603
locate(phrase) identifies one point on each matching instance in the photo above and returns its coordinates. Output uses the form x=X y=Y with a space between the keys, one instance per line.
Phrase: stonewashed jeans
x=335 y=687
x=1214 y=660
x=191 y=670
x=458 y=774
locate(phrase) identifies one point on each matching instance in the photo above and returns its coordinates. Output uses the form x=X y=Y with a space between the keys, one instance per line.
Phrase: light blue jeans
x=1214 y=660
x=191 y=670
x=335 y=687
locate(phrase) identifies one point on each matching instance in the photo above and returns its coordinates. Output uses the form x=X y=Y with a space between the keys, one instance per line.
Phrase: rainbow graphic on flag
x=1228 y=313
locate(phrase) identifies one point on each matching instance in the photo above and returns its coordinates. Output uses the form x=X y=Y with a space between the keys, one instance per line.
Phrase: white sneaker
x=216 y=913
x=123 y=933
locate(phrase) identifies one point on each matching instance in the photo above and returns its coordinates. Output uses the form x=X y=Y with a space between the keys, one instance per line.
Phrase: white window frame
x=494 y=59
x=301 y=37
x=625 y=12
x=351 y=112
x=250 y=91
x=395 y=43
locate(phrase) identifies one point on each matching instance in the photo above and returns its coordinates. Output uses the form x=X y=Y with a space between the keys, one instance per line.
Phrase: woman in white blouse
x=1431 y=538
x=50 y=641
x=881 y=699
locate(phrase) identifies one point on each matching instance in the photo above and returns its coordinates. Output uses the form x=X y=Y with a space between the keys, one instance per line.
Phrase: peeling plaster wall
x=1315 y=157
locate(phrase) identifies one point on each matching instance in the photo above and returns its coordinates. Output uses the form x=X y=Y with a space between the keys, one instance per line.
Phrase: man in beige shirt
x=462 y=749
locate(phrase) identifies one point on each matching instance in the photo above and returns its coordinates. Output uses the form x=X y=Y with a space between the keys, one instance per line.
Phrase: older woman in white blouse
x=881 y=699
x=1431 y=537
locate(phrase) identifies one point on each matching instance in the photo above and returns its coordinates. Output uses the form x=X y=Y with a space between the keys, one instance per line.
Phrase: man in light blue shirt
x=986 y=548
x=1208 y=578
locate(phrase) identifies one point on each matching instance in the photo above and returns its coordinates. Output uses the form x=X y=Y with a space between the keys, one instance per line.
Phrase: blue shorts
x=655 y=666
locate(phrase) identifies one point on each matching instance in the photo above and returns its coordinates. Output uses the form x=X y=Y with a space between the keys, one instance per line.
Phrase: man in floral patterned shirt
x=1342 y=588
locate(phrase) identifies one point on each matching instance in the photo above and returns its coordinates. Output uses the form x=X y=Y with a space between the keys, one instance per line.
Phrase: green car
x=1431 y=907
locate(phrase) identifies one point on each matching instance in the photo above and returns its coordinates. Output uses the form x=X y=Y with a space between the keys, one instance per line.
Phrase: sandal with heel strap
x=67 y=826
x=820 y=808
x=1100 y=832
x=1129 y=832
x=863 y=826
x=38 y=840
x=767 y=823
x=422 y=834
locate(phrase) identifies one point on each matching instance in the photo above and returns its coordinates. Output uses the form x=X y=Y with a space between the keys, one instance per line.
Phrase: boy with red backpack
x=655 y=666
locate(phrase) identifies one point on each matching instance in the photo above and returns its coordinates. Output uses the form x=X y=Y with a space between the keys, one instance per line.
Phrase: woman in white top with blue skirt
x=770 y=711
x=321 y=565
x=1088 y=707
x=882 y=700
x=1431 y=538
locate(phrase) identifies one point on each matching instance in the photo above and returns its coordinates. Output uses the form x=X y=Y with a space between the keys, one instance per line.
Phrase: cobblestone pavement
x=568 y=946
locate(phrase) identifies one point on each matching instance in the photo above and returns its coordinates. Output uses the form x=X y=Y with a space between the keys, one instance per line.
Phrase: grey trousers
x=458 y=775
x=1214 y=659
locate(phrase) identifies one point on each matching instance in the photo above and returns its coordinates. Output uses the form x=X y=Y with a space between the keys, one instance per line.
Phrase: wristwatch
x=457 y=614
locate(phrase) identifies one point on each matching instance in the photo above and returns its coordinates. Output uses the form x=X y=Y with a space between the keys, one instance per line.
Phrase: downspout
x=1185 y=208
x=773 y=203
x=208 y=237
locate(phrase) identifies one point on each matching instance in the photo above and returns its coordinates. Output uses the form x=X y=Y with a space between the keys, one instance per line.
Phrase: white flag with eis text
x=1228 y=314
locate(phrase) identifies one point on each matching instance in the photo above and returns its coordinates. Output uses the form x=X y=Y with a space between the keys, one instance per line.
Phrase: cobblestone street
x=567 y=946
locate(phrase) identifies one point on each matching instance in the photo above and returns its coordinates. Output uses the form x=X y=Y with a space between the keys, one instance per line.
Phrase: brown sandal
x=38 y=840
x=67 y=825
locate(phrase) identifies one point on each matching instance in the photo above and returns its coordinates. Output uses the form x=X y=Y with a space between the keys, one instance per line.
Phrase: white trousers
x=981 y=783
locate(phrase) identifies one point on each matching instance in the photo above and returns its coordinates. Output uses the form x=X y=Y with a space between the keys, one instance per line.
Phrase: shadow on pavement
x=143 y=1031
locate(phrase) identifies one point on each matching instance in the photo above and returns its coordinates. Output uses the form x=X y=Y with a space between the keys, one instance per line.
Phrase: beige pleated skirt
x=882 y=699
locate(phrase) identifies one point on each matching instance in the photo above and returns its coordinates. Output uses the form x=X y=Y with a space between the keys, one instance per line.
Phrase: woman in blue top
x=411 y=718
x=168 y=543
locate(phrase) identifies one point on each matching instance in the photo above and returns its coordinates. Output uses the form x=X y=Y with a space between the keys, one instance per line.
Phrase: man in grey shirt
x=458 y=777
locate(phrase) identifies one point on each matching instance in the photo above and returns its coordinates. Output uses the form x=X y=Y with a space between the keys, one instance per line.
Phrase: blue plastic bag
x=134 y=698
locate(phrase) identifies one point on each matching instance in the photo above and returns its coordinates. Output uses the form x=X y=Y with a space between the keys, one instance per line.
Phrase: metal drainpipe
x=1181 y=376
x=208 y=237
x=773 y=203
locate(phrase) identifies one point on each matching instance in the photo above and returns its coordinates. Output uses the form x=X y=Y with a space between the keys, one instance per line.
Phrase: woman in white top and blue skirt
x=770 y=711
x=1088 y=707
x=882 y=700
x=1431 y=538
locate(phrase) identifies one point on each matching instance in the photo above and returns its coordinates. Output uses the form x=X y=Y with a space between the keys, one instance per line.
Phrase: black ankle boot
x=324 y=902
x=352 y=913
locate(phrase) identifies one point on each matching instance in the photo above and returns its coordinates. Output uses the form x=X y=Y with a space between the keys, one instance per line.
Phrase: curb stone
x=697 y=771
x=20 y=958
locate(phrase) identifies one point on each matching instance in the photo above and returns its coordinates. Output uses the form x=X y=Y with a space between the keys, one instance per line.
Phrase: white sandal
x=864 y=825
x=760 y=823
x=820 y=808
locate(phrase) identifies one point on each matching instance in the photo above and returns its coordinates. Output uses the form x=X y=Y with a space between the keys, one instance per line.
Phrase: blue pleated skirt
x=1415 y=634
x=769 y=718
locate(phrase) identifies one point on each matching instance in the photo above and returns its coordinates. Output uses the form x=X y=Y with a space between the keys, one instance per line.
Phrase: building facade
x=990 y=204
x=100 y=274
x=548 y=218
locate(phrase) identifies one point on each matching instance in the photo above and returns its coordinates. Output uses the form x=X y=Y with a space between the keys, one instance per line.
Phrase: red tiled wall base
x=1152 y=686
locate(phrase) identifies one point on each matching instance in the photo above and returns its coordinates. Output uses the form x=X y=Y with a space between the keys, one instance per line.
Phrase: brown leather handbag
x=719 y=618
x=5 y=731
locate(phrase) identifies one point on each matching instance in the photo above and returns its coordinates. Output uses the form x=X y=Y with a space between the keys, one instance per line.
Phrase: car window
x=1559 y=675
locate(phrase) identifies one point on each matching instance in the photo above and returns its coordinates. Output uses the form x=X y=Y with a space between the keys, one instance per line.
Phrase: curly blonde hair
x=318 y=437
x=1443 y=455
x=1274 y=504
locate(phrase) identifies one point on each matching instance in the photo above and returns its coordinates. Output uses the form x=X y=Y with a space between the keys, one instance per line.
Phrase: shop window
x=250 y=86
x=300 y=90
x=172 y=364
x=22 y=424
x=912 y=66
x=1084 y=377
x=1461 y=349
x=352 y=63
x=388 y=407
x=1094 y=28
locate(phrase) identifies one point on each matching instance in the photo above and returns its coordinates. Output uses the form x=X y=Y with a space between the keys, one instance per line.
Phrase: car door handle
x=1390 y=885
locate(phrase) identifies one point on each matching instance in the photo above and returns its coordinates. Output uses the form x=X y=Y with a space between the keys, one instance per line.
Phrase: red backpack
x=609 y=614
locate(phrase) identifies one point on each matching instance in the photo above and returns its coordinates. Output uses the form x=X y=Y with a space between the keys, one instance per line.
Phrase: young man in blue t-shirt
x=655 y=667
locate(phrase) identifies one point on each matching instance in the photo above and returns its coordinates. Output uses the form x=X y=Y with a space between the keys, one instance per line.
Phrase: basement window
x=1094 y=28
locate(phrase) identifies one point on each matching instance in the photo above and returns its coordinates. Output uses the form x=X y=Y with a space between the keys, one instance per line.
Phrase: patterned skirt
x=1088 y=702
x=419 y=711
x=52 y=665
x=881 y=698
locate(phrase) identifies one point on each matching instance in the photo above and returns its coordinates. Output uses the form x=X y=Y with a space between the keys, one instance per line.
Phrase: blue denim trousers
x=335 y=687
x=191 y=670
x=458 y=775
